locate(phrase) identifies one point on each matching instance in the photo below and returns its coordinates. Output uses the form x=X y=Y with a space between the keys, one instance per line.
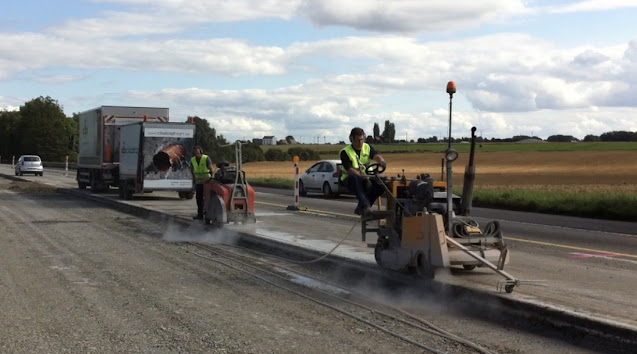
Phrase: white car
x=323 y=177
x=29 y=164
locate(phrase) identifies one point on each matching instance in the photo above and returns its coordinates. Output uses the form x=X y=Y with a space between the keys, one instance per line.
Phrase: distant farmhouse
x=266 y=140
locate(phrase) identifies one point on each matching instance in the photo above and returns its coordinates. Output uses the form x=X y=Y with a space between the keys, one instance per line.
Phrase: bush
x=304 y=154
x=276 y=155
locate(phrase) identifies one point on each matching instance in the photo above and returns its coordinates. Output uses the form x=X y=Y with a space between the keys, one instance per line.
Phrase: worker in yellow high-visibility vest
x=201 y=168
x=354 y=160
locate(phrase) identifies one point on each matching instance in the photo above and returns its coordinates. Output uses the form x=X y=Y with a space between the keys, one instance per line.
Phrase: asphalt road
x=583 y=265
x=79 y=277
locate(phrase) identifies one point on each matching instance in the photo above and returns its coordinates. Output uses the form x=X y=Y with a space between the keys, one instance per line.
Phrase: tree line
x=40 y=127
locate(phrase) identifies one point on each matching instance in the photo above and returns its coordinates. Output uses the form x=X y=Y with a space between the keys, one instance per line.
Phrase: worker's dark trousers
x=199 y=197
x=366 y=196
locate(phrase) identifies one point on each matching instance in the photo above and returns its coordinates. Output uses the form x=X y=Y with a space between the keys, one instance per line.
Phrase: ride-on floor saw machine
x=425 y=226
x=228 y=198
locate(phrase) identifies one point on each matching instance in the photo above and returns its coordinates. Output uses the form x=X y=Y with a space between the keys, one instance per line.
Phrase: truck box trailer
x=155 y=156
x=98 y=157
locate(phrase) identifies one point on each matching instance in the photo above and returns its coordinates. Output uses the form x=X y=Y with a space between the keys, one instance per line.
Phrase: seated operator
x=355 y=158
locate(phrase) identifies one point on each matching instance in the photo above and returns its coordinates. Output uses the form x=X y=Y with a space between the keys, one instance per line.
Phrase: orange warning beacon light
x=451 y=87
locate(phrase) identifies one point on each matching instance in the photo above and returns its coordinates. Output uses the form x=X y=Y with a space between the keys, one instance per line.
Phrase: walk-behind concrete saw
x=425 y=226
x=228 y=198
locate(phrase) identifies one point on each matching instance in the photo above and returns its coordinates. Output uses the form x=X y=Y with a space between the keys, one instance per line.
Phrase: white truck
x=99 y=141
x=155 y=156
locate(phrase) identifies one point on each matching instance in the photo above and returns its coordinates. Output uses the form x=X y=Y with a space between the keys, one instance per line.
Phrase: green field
x=332 y=150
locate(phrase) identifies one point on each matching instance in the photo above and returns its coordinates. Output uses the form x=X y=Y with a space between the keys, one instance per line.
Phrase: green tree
x=43 y=129
x=9 y=134
x=389 y=133
x=376 y=130
x=212 y=145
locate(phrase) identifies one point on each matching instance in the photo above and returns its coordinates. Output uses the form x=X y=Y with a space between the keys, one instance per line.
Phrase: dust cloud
x=200 y=233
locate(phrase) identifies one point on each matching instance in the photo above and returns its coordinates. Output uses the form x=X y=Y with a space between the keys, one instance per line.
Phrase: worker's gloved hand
x=383 y=164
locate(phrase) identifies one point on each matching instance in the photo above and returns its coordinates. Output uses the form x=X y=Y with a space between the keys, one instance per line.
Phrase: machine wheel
x=381 y=245
x=469 y=266
x=327 y=191
x=377 y=250
x=423 y=268
x=302 y=191
x=509 y=288
x=215 y=210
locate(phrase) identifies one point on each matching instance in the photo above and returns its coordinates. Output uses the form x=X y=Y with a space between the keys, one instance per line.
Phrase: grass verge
x=609 y=204
x=272 y=182
x=598 y=205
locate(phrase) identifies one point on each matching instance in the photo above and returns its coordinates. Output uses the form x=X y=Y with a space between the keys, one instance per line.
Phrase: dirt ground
x=512 y=168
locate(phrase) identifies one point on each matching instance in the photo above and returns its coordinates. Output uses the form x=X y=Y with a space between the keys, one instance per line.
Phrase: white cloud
x=508 y=83
x=409 y=15
x=146 y=18
x=593 y=5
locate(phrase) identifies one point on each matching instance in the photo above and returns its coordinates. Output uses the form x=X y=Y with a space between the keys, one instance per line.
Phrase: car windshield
x=31 y=158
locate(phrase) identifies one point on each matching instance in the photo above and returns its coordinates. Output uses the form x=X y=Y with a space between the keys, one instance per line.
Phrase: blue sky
x=315 y=69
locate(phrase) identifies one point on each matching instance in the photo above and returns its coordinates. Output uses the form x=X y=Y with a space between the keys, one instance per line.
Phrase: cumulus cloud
x=408 y=15
x=170 y=16
x=508 y=82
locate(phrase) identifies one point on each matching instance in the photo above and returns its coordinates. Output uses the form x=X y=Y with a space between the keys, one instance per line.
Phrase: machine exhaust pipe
x=469 y=177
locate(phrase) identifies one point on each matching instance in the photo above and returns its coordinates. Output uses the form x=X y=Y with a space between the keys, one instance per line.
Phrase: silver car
x=323 y=177
x=29 y=164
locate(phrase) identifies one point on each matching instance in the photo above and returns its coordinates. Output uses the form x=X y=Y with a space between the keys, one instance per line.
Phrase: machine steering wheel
x=375 y=169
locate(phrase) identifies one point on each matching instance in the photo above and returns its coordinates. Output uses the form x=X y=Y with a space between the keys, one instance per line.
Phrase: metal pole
x=449 y=179
x=451 y=89
x=296 y=184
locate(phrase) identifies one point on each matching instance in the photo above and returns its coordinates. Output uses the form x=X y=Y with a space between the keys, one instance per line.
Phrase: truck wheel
x=81 y=185
x=189 y=195
x=120 y=191
x=128 y=194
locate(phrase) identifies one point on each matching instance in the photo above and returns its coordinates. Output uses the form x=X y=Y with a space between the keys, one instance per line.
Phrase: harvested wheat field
x=585 y=170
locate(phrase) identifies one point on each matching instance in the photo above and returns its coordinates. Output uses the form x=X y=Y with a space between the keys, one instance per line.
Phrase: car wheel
x=327 y=191
x=302 y=191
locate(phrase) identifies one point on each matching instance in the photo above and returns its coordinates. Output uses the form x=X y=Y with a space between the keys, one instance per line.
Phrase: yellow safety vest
x=201 y=171
x=359 y=163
